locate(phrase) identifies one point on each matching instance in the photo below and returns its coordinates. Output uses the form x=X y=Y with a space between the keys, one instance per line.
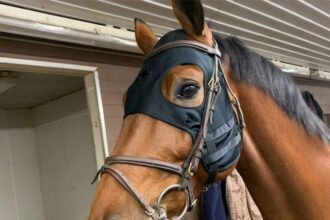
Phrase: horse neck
x=285 y=168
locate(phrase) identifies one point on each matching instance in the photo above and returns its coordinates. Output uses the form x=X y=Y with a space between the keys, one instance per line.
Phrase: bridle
x=189 y=167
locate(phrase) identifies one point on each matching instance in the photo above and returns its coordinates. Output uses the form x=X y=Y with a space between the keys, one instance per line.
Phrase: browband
x=186 y=43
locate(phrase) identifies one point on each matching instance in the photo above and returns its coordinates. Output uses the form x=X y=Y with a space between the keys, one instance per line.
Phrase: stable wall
x=116 y=71
x=47 y=161
x=66 y=157
x=20 y=190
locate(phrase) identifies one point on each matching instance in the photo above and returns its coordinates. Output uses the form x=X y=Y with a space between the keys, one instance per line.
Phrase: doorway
x=52 y=139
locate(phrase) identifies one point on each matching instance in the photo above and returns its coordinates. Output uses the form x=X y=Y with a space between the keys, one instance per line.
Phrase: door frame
x=92 y=88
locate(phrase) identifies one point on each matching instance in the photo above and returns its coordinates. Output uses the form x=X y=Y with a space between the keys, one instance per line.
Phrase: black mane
x=249 y=66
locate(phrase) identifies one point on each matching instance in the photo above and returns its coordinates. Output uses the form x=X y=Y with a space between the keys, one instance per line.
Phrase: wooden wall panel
x=66 y=162
x=114 y=81
x=46 y=171
x=73 y=103
x=8 y=203
x=20 y=194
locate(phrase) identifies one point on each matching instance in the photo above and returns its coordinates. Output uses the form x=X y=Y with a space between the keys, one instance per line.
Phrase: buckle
x=150 y=212
x=190 y=169
x=193 y=204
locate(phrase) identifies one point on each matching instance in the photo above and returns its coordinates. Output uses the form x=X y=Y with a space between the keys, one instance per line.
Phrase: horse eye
x=188 y=91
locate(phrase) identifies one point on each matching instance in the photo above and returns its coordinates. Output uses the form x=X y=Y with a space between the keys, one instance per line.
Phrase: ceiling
x=34 y=89
x=296 y=32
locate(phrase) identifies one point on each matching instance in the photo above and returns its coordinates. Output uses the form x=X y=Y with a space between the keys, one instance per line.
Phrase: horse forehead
x=190 y=71
x=171 y=36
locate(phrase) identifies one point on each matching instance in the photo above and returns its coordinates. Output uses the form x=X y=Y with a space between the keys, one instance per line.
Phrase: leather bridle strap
x=191 y=164
x=213 y=86
x=145 y=162
x=121 y=178
x=185 y=43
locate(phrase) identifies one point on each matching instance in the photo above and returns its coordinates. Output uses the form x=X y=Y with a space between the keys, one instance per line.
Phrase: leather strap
x=185 y=43
x=148 y=162
x=121 y=178
x=213 y=85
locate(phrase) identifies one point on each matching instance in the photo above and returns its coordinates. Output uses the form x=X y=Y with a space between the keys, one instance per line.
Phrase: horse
x=155 y=172
x=312 y=103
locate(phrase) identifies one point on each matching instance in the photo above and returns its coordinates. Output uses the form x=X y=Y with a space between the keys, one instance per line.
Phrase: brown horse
x=285 y=158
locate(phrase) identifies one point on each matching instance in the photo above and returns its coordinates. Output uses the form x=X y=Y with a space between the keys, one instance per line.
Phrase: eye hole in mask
x=183 y=85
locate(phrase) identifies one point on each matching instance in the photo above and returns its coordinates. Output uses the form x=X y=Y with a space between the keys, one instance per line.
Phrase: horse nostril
x=113 y=217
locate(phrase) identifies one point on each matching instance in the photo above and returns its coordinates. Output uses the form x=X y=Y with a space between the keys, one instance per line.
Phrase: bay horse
x=285 y=155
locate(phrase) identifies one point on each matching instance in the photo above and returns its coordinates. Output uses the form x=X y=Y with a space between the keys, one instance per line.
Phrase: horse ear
x=145 y=37
x=191 y=16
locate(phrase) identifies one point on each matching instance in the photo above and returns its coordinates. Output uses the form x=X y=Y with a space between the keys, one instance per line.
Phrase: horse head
x=181 y=129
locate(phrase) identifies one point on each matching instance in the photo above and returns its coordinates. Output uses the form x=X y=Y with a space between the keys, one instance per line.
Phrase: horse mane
x=257 y=70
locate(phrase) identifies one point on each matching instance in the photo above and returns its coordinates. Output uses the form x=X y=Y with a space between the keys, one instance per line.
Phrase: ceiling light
x=292 y=69
x=321 y=74
x=49 y=27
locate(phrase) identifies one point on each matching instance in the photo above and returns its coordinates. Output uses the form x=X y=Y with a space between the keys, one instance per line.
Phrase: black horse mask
x=223 y=138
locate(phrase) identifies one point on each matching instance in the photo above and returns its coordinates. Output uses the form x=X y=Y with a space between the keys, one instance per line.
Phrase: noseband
x=189 y=167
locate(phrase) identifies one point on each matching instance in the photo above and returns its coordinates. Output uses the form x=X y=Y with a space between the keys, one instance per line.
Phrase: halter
x=189 y=167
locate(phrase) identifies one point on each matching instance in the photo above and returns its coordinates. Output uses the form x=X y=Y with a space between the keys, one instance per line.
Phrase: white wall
x=65 y=152
x=47 y=161
x=20 y=194
x=66 y=157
